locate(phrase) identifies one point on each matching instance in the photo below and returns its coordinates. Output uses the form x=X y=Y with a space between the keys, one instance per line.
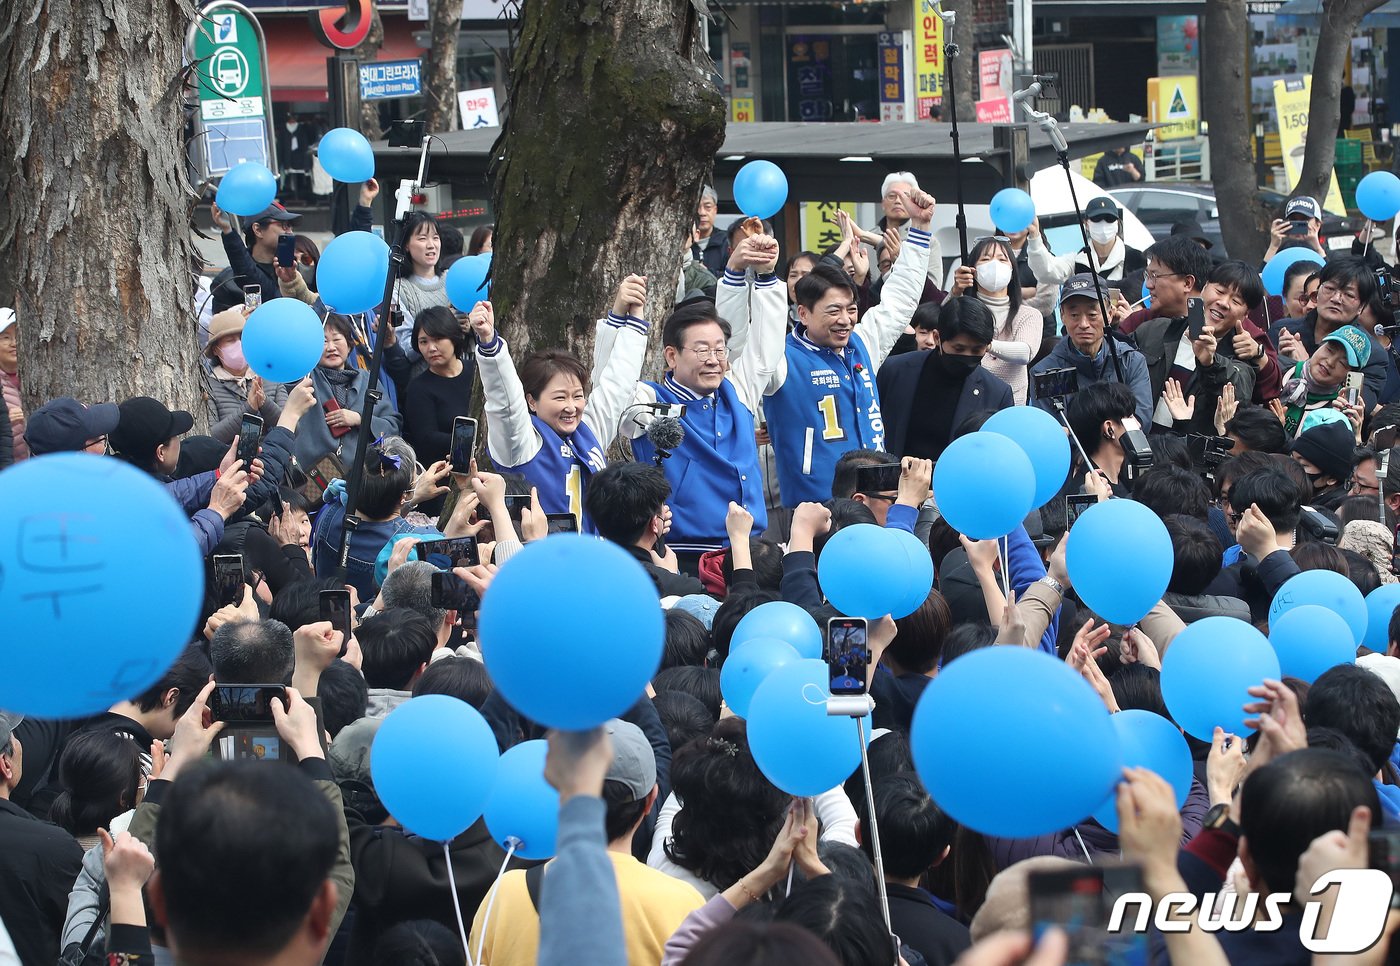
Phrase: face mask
x=993 y=276
x=231 y=356
x=1103 y=232
x=308 y=274
x=958 y=367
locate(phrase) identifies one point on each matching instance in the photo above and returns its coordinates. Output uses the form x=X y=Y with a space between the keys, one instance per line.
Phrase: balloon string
x=457 y=904
x=511 y=844
x=792 y=867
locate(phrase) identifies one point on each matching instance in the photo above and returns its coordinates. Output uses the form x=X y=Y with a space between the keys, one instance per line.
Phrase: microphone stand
x=355 y=473
x=950 y=52
x=1047 y=123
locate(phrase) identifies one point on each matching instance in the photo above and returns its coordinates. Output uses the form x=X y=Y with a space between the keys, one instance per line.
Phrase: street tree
x=1243 y=218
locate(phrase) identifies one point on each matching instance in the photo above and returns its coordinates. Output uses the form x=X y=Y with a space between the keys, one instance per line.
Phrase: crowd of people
x=819 y=390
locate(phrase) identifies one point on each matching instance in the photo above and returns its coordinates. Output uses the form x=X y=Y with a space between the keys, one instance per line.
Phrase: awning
x=296 y=61
x=1308 y=13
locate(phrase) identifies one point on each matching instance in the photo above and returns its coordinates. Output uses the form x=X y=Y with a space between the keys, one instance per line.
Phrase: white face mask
x=1103 y=232
x=993 y=276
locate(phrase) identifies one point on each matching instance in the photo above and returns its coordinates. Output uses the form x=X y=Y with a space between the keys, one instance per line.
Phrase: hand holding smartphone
x=1353 y=388
x=249 y=439
x=335 y=607
x=286 y=250
x=228 y=579
x=1195 y=318
x=463 y=442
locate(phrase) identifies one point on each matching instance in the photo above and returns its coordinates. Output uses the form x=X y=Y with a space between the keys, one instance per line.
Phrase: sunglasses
x=1102 y=219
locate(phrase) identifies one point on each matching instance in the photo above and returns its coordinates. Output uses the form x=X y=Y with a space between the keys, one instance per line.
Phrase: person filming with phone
x=1300 y=227
x=1344 y=286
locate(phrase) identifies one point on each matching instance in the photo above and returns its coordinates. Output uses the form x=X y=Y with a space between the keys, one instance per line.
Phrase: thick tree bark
x=368 y=53
x=1339 y=21
x=612 y=131
x=440 y=88
x=962 y=68
x=1243 y=220
x=96 y=208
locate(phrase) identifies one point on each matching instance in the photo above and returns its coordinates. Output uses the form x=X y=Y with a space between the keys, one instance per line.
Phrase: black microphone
x=665 y=433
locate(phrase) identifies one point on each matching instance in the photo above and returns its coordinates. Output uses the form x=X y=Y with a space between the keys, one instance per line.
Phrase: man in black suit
x=927 y=396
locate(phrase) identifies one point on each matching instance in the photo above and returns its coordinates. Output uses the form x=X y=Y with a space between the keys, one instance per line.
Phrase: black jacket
x=667 y=583
x=920 y=924
x=38 y=864
x=7 y=437
x=1255 y=582
x=898 y=382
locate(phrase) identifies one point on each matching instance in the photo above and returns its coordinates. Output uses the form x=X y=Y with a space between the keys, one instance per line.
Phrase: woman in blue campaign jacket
x=543 y=422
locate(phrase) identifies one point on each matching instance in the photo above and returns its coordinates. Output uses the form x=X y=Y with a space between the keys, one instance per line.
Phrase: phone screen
x=1076 y=504
x=1080 y=902
x=249 y=436
x=562 y=522
x=1195 y=318
x=250 y=703
x=515 y=502
x=1055 y=383
x=286 y=250
x=847 y=654
x=451 y=592
x=449 y=552
x=463 y=442
x=335 y=607
x=228 y=578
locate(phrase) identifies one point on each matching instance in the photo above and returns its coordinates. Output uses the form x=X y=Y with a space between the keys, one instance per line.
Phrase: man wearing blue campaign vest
x=710 y=373
x=543 y=422
x=821 y=395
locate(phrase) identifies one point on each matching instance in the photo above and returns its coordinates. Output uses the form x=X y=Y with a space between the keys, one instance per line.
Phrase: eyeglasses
x=706 y=352
x=1329 y=291
x=1154 y=276
x=986 y=238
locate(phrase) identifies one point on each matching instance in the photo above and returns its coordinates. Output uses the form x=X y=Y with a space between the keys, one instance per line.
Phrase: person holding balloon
x=543 y=421
x=991 y=279
x=821 y=399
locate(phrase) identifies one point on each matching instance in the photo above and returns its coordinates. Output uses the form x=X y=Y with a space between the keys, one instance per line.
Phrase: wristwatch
x=1218 y=817
x=1053 y=584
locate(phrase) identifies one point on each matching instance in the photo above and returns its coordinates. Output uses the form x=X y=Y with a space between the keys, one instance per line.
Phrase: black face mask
x=955 y=367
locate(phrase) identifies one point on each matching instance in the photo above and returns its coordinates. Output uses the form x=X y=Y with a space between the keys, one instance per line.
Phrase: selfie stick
x=950 y=52
x=405 y=194
x=859 y=706
x=1051 y=127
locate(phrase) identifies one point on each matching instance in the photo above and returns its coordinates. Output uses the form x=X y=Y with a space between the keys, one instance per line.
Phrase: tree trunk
x=97 y=203
x=1340 y=19
x=1243 y=220
x=625 y=86
x=962 y=69
x=440 y=91
x=368 y=53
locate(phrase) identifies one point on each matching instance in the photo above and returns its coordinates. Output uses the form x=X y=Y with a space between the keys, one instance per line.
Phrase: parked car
x=1161 y=204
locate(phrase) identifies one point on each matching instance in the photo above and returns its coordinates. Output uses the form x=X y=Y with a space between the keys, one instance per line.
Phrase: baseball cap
x=145 y=424
x=700 y=606
x=64 y=425
x=1305 y=206
x=274 y=212
x=1356 y=343
x=1193 y=231
x=1081 y=285
x=7 y=318
x=1101 y=206
x=9 y=721
x=634 y=763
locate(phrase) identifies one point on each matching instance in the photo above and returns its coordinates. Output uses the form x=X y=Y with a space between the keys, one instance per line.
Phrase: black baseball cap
x=1101 y=206
x=64 y=425
x=145 y=424
x=274 y=212
x=1078 y=286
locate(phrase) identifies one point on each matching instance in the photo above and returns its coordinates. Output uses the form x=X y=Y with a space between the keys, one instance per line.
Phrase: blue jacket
x=1100 y=369
x=365 y=544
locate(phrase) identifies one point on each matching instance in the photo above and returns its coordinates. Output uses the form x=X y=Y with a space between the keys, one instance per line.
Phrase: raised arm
x=899 y=297
x=511 y=437
x=1050 y=269
x=615 y=379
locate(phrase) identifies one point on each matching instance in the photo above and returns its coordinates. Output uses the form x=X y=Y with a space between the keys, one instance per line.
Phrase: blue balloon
x=433 y=762
x=865 y=571
x=1043 y=439
x=523 y=806
x=1149 y=741
x=466 y=282
x=1328 y=589
x=1012 y=210
x=795 y=743
x=780 y=621
x=1277 y=266
x=747 y=666
x=346 y=155
x=918 y=579
x=1001 y=720
x=247 y=189
x=584 y=653
x=760 y=189
x=1380 y=608
x=1208 y=671
x=1309 y=640
x=283 y=340
x=83 y=537
x=1378 y=195
x=984 y=485
x=1101 y=542
x=351 y=273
